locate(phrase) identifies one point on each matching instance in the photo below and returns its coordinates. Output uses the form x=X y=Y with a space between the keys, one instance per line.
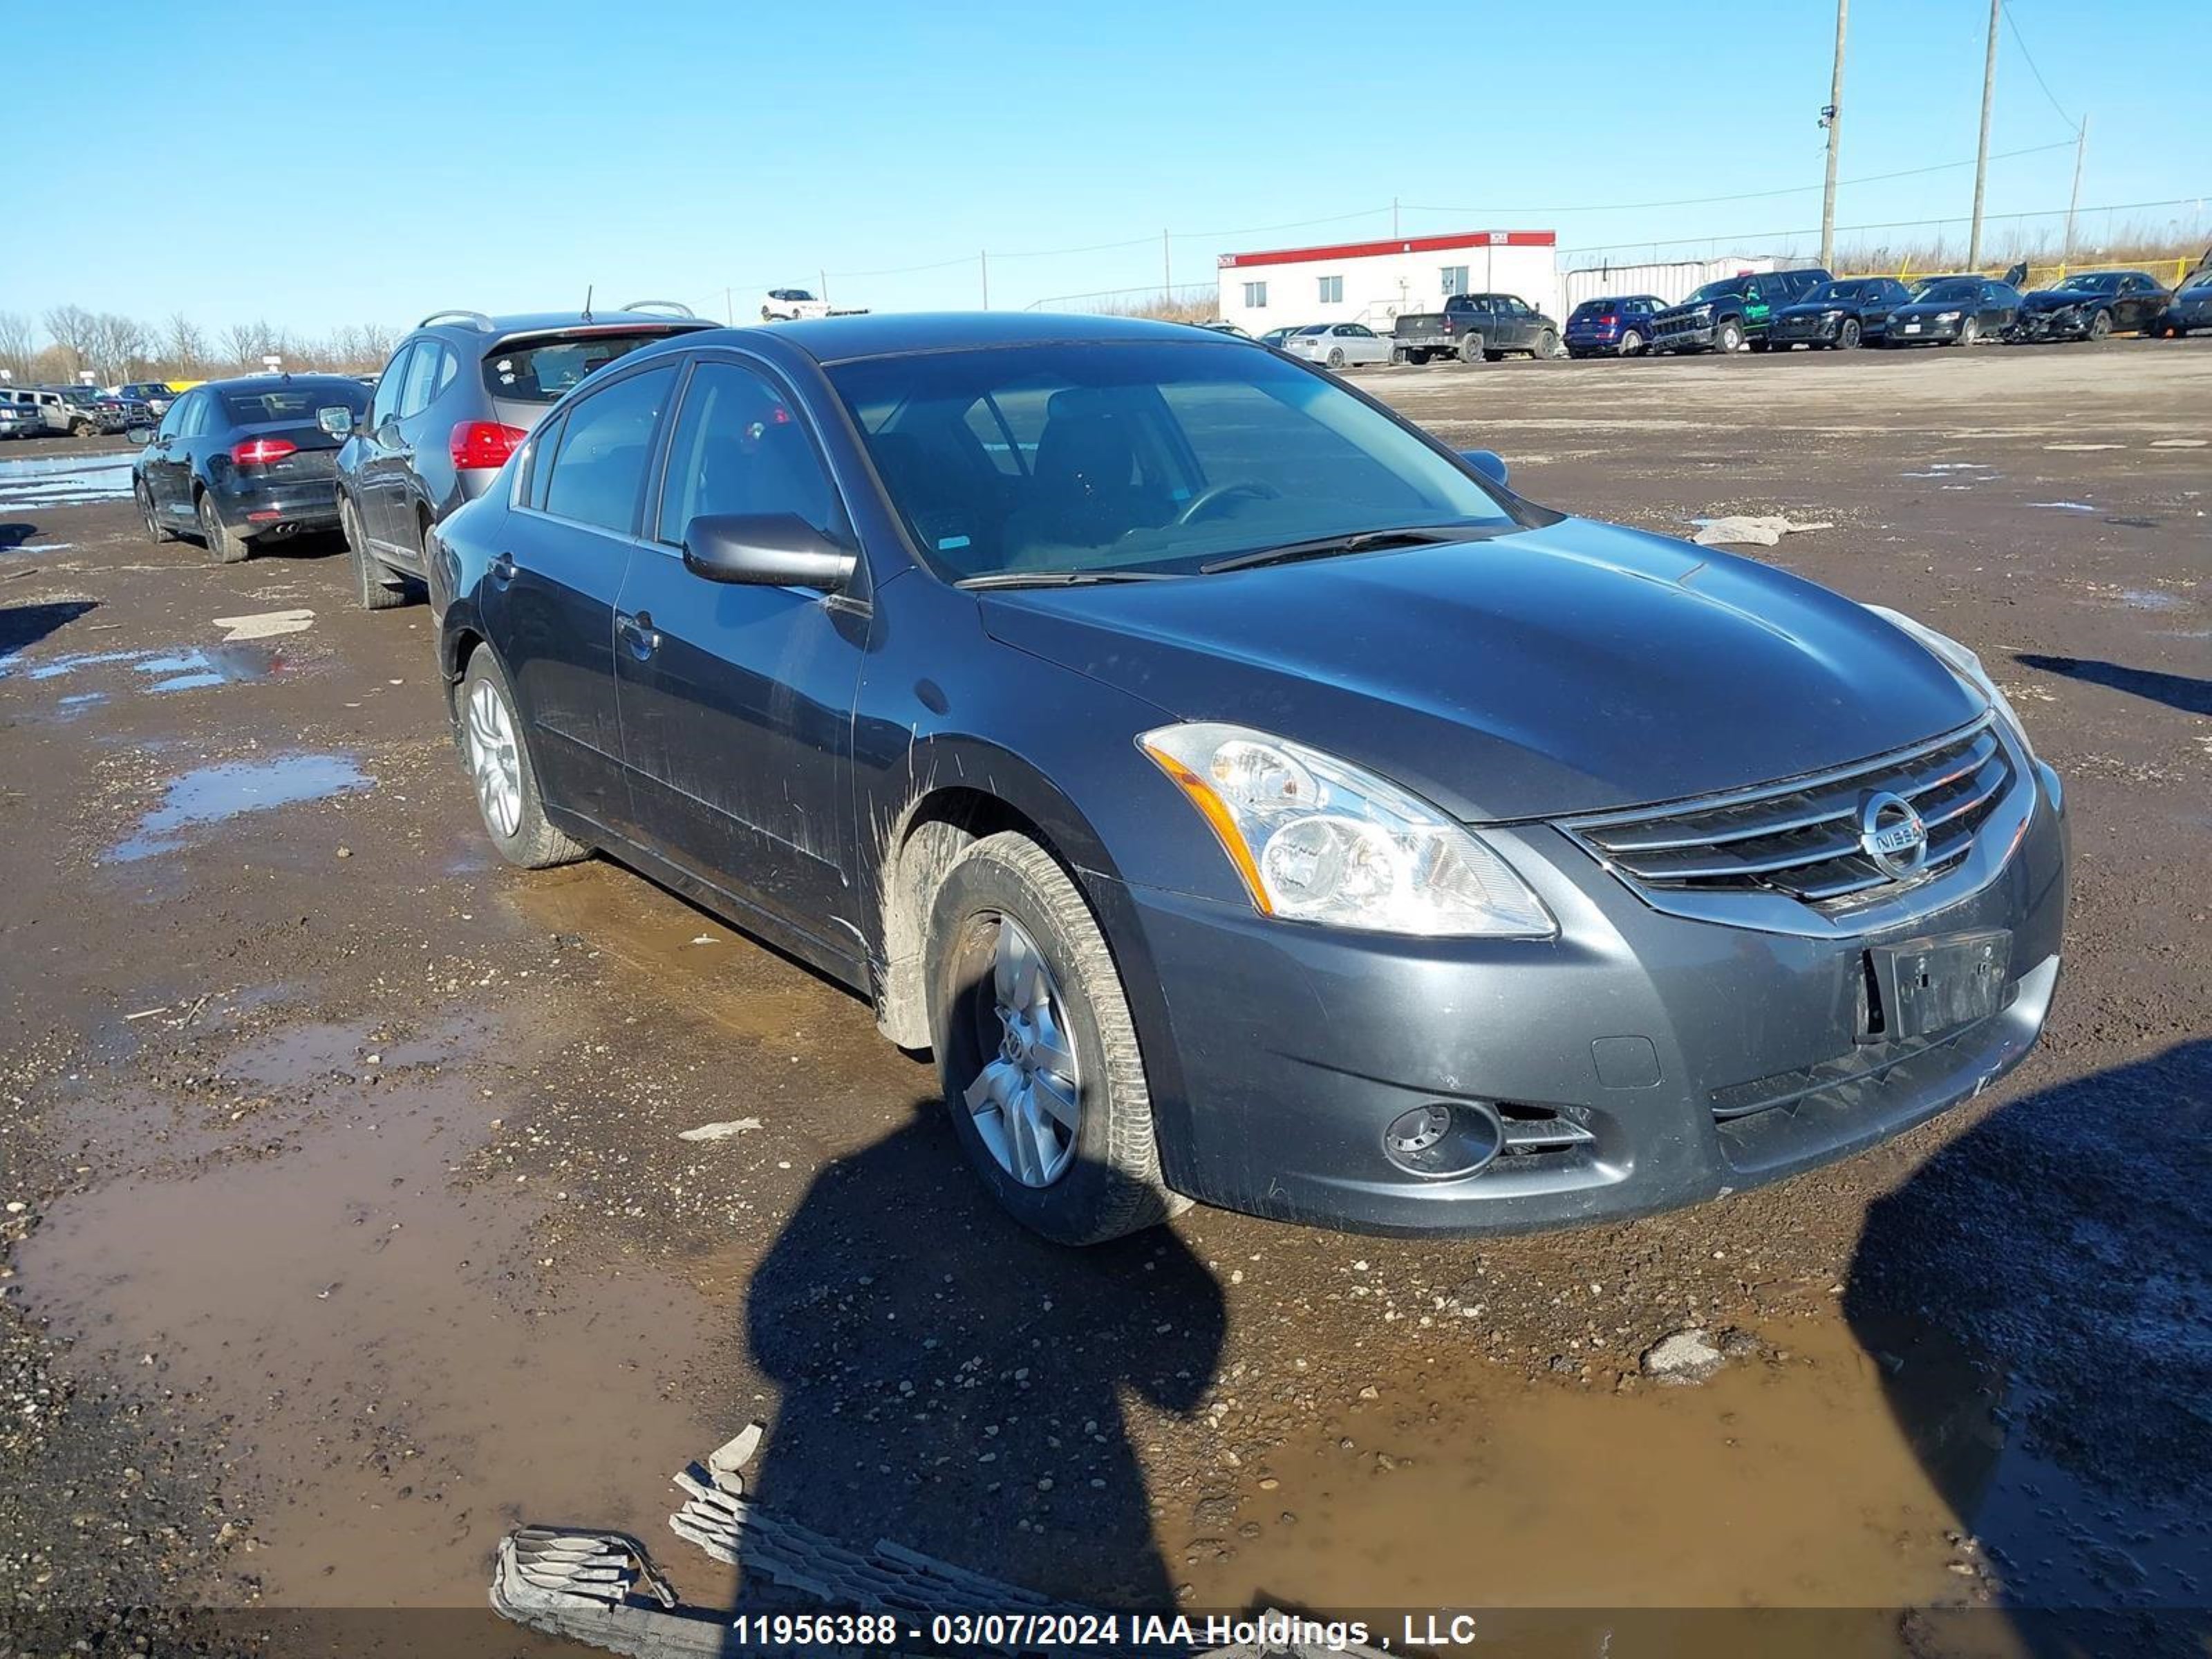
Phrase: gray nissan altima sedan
x=1247 y=798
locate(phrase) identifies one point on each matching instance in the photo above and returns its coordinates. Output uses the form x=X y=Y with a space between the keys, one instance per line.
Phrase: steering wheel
x=1210 y=498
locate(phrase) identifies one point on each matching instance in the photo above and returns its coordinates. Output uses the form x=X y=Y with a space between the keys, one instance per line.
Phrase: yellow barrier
x=2048 y=275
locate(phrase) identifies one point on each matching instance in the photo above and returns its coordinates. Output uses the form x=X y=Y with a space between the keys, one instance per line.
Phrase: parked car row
x=67 y=411
x=1083 y=695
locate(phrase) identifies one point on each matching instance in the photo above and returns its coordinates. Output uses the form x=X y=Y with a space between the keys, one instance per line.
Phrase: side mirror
x=338 y=421
x=138 y=435
x=765 y=550
x=1488 y=462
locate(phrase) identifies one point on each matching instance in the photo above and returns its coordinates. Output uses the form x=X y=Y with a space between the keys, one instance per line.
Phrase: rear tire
x=505 y=779
x=1107 y=1179
x=222 y=547
x=1471 y=351
x=1417 y=358
x=375 y=586
x=156 y=532
x=1632 y=345
x=1336 y=356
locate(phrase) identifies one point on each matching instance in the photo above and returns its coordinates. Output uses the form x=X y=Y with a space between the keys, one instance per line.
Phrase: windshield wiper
x=1366 y=541
x=1061 y=578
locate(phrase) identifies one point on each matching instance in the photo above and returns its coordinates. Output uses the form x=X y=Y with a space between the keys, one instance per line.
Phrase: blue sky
x=320 y=165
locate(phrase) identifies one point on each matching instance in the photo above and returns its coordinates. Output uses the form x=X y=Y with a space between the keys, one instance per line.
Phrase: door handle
x=638 y=633
x=502 y=570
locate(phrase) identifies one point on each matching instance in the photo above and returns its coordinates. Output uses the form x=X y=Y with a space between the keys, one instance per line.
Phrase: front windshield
x=1941 y=289
x=1837 y=293
x=1728 y=288
x=1051 y=459
x=2098 y=282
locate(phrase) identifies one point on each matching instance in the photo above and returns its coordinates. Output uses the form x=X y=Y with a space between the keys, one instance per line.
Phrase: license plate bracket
x=1931 y=986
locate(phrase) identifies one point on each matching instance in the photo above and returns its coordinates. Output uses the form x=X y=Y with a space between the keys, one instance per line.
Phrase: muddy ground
x=348 y=1219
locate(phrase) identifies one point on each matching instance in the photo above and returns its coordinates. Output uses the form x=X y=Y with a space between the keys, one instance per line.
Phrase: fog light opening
x=1440 y=1141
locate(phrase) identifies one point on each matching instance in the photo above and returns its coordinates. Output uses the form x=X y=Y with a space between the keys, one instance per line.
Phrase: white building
x=1372 y=283
x=1672 y=280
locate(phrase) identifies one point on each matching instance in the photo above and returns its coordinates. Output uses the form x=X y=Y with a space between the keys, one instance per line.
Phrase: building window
x=1332 y=290
x=1454 y=280
x=1256 y=295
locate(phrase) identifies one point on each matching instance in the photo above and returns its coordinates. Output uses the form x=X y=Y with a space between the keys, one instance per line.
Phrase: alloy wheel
x=1027 y=1100
x=1630 y=343
x=495 y=759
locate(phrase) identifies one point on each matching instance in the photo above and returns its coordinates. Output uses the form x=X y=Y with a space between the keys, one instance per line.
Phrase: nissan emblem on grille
x=1892 y=834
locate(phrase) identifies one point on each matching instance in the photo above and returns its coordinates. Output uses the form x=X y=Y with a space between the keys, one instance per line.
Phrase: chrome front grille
x=1799 y=839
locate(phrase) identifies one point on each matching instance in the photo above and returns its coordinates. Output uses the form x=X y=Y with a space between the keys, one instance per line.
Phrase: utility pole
x=2074 y=202
x=983 y=263
x=824 y=275
x=1833 y=118
x=1982 y=156
x=729 y=309
x=1167 y=268
x=1393 y=218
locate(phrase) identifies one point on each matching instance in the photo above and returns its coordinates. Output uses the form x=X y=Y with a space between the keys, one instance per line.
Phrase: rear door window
x=389 y=382
x=422 y=379
x=598 y=468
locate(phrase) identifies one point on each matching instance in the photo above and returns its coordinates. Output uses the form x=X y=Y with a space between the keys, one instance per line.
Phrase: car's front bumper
x=1924 y=330
x=1699 y=1059
x=2049 y=326
x=1805 y=331
x=1695 y=336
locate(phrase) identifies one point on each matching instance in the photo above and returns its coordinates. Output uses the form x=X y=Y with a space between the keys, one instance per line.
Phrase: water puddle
x=214 y=795
x=373 y=1338
x=1839 y=1469
x=64 y=480
x=2065 y=507
x=188 y=668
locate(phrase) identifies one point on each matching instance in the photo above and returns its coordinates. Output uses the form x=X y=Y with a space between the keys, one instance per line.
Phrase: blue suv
x=1619 y=327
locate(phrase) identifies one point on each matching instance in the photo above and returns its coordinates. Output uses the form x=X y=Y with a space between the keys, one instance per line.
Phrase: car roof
x=471 y=325
x=266 y=382
x=890 y=334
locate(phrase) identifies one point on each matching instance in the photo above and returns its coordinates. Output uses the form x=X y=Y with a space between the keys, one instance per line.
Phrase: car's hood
x=1549 y=671
x=1935 y=307
x=1816 y=307
x=2050 y=299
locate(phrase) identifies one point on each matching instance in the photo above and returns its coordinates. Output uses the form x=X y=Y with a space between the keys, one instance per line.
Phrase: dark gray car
x=242 y=463
x=1249 y=798
x=461 y=392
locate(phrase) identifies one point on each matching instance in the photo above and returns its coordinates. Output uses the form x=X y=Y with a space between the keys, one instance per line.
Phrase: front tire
x=373 y=582
x=499 y=767
x=222 y=547
x=1547 y=345
x=1037 y=1048
x=2100 y=325
x=1849 y=336
x=1728 y=337
x=1970 y=332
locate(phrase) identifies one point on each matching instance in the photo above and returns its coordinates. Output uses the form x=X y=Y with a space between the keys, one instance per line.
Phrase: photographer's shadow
x=953 y=1384
x=2038 y=1296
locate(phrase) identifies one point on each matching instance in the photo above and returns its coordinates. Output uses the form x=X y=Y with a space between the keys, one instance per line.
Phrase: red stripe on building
x=1301 y=256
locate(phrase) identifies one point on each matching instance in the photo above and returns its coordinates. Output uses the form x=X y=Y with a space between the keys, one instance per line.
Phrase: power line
x=1894 y=224
x=1747 y=196
x=2021 y=41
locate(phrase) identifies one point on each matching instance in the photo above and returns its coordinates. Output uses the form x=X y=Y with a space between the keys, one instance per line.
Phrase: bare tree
x=184 y=348
x=19 y=343
x=72 y=328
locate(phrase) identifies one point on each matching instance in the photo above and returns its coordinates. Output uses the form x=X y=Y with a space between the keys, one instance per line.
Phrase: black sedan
x=1953 y=311
x=2190 y=308
x=1247 y=798
x=245 y=461
x=2090 y=307
x=1838 y=315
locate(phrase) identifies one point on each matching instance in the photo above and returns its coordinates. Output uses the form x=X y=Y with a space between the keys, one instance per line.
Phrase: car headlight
x=1832 y=316
x=1963 y=663
x=1701 y=311
x=1317 y=839
x=1948 y=316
